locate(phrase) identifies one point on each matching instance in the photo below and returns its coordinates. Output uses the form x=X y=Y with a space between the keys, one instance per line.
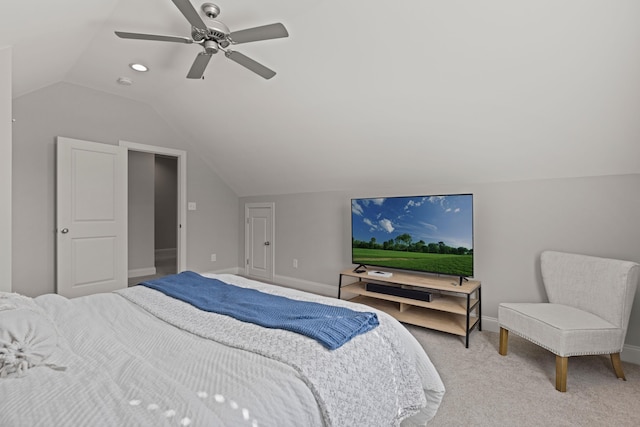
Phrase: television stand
x=451 y=309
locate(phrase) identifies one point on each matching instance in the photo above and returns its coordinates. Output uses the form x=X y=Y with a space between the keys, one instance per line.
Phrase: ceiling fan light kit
x=215 y=37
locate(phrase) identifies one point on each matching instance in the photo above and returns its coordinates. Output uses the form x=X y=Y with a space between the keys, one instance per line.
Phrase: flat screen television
x=432 y=234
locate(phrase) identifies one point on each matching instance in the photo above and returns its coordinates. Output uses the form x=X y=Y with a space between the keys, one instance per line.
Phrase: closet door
x=259 y=244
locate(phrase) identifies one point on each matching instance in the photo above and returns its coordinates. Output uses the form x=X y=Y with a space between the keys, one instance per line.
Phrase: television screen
x=424 y=233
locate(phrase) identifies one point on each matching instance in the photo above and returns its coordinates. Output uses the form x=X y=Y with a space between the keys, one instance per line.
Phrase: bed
x=137 y=357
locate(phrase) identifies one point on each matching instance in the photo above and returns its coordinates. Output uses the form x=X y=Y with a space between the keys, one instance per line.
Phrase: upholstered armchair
x=588 y=311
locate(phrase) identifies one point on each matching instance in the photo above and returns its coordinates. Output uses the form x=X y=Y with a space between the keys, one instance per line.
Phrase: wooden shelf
x=440 y=283
x=451 y=309
x=447 y=303
x=441 y=321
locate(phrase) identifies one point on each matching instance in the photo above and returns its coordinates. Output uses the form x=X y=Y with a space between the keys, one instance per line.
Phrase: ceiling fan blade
x=265 y=32
x=249 y=63
x=199 y=65
x=137 y=36
x=190 y=13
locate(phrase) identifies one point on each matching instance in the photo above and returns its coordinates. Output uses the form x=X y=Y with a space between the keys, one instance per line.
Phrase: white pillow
x=28 y=337
x=10 y=301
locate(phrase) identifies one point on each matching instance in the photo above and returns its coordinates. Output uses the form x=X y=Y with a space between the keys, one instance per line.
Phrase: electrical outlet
x=213 y=257
x=295 y=263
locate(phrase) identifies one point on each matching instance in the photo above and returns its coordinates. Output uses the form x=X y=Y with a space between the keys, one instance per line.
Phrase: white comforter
x=128 y=367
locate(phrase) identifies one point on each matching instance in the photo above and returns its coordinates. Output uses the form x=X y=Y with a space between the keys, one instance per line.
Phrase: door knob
x=64 y=230
x=267 y=243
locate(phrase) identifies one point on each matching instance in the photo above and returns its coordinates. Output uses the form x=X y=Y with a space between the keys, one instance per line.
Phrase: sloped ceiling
x=369 y=94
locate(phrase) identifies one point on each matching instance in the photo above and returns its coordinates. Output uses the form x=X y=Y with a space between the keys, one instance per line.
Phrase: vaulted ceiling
x=367 y=93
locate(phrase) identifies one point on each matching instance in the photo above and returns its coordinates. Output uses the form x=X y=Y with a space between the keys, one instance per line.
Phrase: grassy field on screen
x=455 y=265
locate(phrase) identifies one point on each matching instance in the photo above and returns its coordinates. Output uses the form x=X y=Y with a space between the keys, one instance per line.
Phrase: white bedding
x=124 y=366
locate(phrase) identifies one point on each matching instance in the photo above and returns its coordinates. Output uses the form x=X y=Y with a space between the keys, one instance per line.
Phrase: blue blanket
x=329 y=325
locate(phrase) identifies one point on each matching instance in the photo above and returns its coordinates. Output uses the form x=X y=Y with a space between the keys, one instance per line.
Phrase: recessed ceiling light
x=139 y=67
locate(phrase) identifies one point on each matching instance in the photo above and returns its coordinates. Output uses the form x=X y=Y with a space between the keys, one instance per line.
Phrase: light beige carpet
x=486 y=389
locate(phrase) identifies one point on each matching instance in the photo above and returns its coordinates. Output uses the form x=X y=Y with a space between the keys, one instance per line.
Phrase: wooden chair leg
x=617 y=365
x=561 y=373
x=504 y=341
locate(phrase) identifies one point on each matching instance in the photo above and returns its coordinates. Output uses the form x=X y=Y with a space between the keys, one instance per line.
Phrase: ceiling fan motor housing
x=217 y=31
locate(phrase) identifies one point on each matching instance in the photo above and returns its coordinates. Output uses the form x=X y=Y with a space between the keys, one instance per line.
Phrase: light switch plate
x=191 y=206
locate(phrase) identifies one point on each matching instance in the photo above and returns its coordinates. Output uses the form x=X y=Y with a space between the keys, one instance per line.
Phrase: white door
x=259 y=245
x=91 y=221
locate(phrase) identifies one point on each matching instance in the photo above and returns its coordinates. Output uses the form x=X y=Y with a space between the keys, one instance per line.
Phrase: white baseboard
x=630 y=353
x=289 y=282
x=137 y=272
x=490 y=324
x=165 y=253
x=232 y=270
x=307 y=286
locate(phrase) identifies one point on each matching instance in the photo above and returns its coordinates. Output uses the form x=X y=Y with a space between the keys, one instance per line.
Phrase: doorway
x=157 y=211
x=165 y=214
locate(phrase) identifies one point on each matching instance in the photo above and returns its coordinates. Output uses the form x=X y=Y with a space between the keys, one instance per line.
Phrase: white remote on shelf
x=379 y=273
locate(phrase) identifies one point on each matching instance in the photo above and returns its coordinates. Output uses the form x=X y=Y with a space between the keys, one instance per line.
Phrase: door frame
x=181 y=156
x=247 y=235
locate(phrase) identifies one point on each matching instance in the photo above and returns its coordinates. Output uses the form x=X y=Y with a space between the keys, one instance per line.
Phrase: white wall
x=141 y=213
x=5 y=169
x=78 y=112
x=513 y=223
x=166 y=196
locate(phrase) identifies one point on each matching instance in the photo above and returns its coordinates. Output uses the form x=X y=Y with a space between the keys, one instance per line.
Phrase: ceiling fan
x=216 y=37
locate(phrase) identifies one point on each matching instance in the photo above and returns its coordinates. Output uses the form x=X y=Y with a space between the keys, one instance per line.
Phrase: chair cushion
x=561 y=329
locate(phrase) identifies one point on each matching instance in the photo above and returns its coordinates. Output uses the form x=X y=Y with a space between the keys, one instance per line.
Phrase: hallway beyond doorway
x=166 y=264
